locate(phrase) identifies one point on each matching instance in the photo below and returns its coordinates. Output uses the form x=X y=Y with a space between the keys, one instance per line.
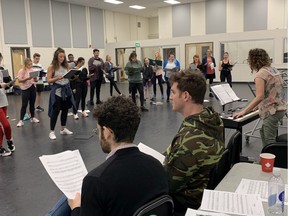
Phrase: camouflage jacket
x=194 y=151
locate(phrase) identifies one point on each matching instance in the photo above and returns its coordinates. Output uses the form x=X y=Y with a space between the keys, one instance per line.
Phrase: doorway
x=18 y=55
x=122 y=57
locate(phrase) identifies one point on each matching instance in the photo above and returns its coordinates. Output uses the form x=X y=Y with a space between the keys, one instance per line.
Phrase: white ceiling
x=150 y=11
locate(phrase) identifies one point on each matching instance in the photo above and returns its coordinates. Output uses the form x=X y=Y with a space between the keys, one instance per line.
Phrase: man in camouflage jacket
x=198 y=145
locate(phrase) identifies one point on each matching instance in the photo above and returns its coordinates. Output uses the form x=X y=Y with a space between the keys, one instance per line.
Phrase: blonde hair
x=26 y=61
x=159 y=56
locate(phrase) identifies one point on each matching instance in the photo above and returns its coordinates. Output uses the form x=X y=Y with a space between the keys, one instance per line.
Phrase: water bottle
x=276 y=193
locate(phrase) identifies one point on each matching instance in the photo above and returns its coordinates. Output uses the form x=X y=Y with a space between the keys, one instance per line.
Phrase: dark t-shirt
x=122 y=184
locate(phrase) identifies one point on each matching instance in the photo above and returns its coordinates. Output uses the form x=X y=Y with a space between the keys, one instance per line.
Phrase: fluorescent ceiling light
x=172 y=2
x=138 y=7
x=113 y=2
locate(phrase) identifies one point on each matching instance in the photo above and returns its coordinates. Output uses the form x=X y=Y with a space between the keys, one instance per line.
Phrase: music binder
x=5 y=73
x=224 y=93
x=34 y=73
x=71 y=73
x=155 y=62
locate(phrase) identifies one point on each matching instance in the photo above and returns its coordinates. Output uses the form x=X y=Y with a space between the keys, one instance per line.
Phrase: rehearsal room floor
x=25 y=187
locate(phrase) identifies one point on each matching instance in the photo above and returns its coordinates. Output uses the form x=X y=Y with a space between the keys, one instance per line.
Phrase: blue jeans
x=61 y=208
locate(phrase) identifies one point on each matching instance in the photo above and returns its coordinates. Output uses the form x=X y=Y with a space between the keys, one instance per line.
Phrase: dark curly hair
x=191 y=81
x=258 y=58
x=121 y=115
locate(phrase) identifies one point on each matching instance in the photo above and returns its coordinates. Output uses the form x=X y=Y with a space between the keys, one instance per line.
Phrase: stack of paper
x=67 y=170
x=232 y=203
x=248 y=186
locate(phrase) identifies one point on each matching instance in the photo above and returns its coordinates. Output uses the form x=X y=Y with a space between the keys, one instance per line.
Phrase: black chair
x=162 y=205
x=219 y=171
x=234 y=146
x=279 y=149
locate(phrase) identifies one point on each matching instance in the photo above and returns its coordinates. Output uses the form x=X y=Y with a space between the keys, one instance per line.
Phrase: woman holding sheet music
x=158 y=73
x=225 y=68
x=79 y=87
x=109 y=71
x=27 y=85
x=171 y=66
x=61 y=97
x=270 y=95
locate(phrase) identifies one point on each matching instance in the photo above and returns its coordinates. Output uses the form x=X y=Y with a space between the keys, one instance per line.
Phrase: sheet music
x=67 y=170
x=248 y=186
x=222 y=95
x=5 y=73
x=230 y=92
x=193 y=212
x=232 y=203
x=34 y=74
x=147 y=150
x=96 y=62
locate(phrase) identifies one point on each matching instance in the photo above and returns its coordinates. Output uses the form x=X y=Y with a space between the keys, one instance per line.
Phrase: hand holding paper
x=67 y=170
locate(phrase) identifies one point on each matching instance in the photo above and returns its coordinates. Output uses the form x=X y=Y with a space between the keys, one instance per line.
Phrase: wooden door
x=18 y=56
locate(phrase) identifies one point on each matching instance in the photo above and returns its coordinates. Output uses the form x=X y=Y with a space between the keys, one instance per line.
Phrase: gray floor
x=25 y=187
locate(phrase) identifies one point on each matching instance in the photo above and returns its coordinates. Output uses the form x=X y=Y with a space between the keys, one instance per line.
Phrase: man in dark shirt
x=96 y=67
x=128 y=178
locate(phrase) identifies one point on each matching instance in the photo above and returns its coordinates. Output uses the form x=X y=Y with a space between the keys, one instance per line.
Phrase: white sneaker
x=85 y=114
x=52 y=135
x=76 y=117
x=66 y=131
x=34 y=120
x=20 y=123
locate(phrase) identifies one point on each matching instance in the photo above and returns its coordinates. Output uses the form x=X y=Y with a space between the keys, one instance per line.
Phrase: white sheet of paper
x=67 y=170
x=230 y=92
x=232 y=203
x=248 y=186
x=34 y=74
x=193 y=212
x=96 y=62
x=147 y=150
x=222 y=95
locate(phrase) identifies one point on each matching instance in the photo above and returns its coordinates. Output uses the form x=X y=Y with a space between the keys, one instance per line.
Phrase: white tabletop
x=249 y=171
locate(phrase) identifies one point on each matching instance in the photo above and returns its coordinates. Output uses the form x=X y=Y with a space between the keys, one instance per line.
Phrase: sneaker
x=66 y=131
x=84 y=114
x=38 y=108
x=34 y=120
x=11 y=146
x=20 y=123
x=144 y=109
x=76 y=117
x=4 y=152
x=99 y=102
x=52 y=135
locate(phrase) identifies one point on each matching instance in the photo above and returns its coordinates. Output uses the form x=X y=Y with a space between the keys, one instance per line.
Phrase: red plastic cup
x=267 y=162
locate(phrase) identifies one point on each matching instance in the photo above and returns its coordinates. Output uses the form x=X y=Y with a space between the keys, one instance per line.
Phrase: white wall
x=165 y=22
x=241 y=72
x=276 y=14
x=197 y=18
x=153 y=28
x=123 y=27
x=235 y=19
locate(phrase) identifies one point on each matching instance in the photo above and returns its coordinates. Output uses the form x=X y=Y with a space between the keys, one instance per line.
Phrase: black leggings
x=168 y=88
x=96 y=84
x=81 y=93
x=113 y=83
x=134 y=87
x=57 y=106
x=159 y=78
x=28 y=95
x=226 y=75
